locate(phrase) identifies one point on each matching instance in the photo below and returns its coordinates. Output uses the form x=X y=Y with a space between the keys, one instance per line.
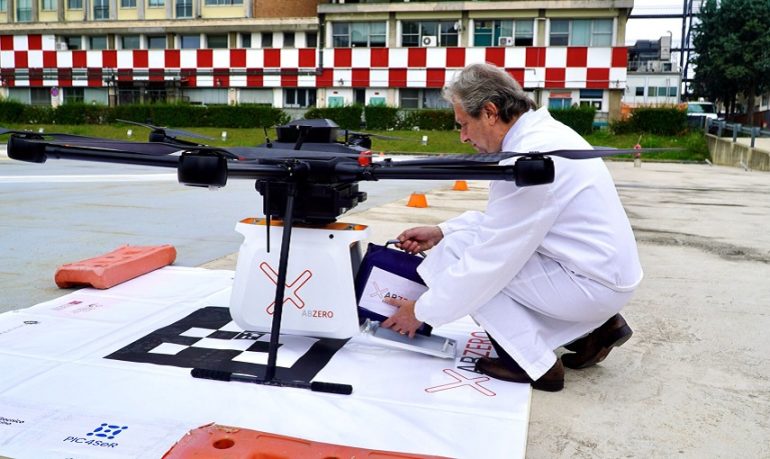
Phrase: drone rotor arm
x=99 y=150
x=403 y=171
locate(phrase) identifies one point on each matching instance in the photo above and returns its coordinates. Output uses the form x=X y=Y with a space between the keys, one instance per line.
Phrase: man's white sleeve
x=465 y=220
x=507 y=235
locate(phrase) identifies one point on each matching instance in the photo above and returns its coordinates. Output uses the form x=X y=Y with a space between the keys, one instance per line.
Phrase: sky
x=653 y=29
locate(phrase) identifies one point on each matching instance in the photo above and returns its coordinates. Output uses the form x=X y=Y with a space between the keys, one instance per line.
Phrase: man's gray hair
x=477 y=84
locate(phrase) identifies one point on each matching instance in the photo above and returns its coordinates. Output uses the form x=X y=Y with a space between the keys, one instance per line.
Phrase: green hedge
x=11 y=111
x=580 y=119
x=80 y=113
x=434 y=120
x=239 y=116
x=348 y=117
x=653 y=120
x=381 y=117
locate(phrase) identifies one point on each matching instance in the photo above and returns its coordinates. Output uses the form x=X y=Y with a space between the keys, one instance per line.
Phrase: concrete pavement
x=694 y=380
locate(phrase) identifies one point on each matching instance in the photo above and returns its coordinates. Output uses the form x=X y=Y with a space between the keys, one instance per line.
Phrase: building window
x=156 y=3
x=267 y=39
x=288 y=39
x=581 y=32
x=559 y=103
x=428 y=33
x=48 y=5
x=40 y=96
x=245 y=40
x=216 y=41
x=592 y=97
x=24 y=10
x=673 y=91
x=189 y=41
x=3 y=5
x=409 y=98
x=73 y=42
x=75 y=4
x=101 y=9
x=156 y=42
x=97 y=42
x=129 y=42
x=639 y=91
x=421 y=98
x=298 y=98
x=73 y=95
x=358 y=34
x=311 y=39
x=359 y=96
x=224 y=2
x=184 y=8
x=128 y=3
x=652 y=91
x=487 y=32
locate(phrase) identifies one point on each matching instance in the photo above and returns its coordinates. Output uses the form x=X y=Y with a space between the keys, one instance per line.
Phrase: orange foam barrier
x=460 y=185
x=417 y=200
x=124 y=263
x=216 y=441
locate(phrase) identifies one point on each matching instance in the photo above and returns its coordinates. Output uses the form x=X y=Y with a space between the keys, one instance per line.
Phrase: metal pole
x=682 y=66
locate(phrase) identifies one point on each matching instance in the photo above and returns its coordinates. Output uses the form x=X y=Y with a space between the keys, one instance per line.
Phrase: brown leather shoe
x=595 y=347
x=551 y=381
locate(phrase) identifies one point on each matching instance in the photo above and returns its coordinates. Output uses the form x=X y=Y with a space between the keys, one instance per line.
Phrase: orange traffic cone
x=460 y=185
x=417 y=200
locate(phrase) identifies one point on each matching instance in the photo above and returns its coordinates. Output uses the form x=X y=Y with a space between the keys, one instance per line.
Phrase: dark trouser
x=505 y=358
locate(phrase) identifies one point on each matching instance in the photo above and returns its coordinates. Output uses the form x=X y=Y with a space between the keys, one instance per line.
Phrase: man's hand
x=419 y=239
x=404 y=320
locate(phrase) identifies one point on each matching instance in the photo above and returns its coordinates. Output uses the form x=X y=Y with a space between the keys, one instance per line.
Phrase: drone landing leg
x=280 y=288
x=269 y=379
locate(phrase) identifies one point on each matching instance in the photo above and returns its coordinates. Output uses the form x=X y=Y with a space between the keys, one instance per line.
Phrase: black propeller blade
x=173 y=133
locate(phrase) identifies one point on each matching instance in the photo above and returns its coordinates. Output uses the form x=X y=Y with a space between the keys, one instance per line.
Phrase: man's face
x=479 y=132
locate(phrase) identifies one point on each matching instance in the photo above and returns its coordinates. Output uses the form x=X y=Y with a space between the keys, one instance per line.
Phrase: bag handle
x=396 y=241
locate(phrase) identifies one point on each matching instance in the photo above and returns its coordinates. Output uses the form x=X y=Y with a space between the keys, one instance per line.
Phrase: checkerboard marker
x=315 y=386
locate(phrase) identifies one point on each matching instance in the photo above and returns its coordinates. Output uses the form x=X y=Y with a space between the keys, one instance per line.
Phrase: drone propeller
x=464 y=159
x=374 y=136
x=172 y=133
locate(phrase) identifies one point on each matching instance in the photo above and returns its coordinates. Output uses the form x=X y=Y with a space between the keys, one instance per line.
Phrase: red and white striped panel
x=533 y=67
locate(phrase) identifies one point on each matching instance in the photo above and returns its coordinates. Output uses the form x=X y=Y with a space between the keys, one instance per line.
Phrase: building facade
x=653 y=79
x=294 y=54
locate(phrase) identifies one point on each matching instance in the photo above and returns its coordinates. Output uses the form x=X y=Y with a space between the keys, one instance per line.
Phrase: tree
x=732 y=47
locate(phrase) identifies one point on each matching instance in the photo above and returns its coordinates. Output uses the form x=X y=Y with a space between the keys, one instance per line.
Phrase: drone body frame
x=306 y=177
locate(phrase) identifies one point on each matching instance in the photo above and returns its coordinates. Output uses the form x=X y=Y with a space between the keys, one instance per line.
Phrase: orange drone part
x=122 y=264
x=217 y=441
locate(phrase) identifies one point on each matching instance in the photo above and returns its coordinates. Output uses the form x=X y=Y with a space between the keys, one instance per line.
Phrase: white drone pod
x=319 y=298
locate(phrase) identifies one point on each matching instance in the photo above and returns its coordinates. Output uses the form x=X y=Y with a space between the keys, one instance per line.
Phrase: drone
x=307 y=177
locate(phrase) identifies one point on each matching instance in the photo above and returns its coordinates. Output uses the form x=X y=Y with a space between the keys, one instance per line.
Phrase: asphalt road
x=64 y=211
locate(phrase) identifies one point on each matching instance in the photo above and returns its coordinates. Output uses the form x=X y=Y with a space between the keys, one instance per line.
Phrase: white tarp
x=106 y=374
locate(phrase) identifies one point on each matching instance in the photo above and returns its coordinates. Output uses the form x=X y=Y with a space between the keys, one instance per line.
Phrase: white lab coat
x=542 y=265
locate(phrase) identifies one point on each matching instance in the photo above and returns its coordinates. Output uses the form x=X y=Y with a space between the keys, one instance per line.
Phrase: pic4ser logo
x=100 y=436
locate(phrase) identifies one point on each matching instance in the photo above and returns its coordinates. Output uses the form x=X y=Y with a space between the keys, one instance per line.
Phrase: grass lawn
x=693 y=144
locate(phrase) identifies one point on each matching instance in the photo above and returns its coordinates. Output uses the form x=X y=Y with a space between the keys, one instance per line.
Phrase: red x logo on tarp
x=292 y=288
x=460 y=381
